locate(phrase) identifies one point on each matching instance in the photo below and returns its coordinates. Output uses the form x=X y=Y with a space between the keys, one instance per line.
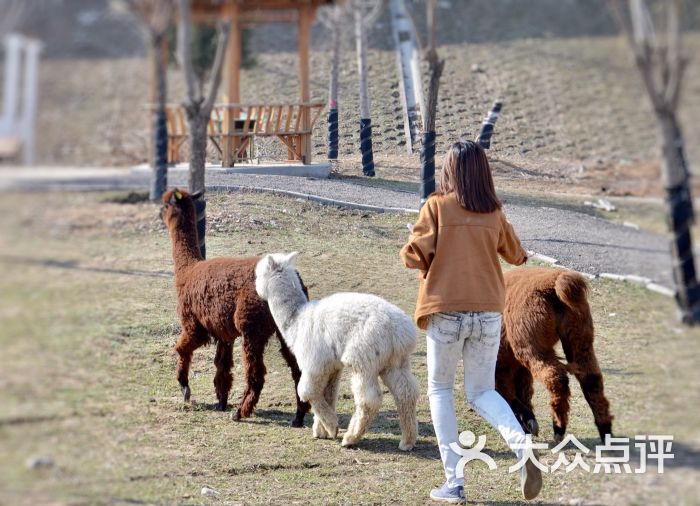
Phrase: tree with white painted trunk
x=661 y=61
x=333 y=18
x=429 y=109
x=198 y=107
x=365 y=13
x=20 y=83
x=156 y=16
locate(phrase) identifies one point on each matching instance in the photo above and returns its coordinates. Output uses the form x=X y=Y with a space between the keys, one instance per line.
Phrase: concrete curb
x=319 y=170
x=627 y=278
x=313 y=198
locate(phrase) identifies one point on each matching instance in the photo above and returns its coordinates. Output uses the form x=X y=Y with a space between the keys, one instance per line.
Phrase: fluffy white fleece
x=372 y=337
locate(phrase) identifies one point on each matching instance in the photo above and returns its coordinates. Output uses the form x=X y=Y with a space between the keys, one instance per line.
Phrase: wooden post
x=306 y=16
x=232 y=91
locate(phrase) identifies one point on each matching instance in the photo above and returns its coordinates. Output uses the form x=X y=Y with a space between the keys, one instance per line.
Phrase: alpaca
x=363 y=332
x=217 y=298
x=544 y=306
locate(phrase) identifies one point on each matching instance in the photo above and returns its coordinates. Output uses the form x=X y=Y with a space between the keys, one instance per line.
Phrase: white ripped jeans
x=474 y=337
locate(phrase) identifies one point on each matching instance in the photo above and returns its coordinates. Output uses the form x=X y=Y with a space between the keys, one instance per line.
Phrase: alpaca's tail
x=571 y=288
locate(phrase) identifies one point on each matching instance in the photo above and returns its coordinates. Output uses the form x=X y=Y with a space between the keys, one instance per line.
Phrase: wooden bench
x=176 y=124
x=233 y=128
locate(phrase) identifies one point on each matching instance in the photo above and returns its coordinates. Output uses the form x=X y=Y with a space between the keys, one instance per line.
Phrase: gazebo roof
x=255 y=11
x=260 y=4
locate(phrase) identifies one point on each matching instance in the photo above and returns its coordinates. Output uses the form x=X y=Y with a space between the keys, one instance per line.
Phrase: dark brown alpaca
x=544 y=306
x=217 y=298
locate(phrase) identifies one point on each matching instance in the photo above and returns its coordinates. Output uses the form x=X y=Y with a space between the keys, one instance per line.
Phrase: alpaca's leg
x=312 y=389
x=584 y=364
x=191 y=338
x=302 y=407
x=405 y=390
x=523 y=398
x=553 y=375
x=507 y=388
x=223 y=378
x=368 y=400
x=252 y=349
x=330 y=393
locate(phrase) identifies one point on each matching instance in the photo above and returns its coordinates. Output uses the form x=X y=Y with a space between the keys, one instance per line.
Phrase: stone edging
x=629 y=278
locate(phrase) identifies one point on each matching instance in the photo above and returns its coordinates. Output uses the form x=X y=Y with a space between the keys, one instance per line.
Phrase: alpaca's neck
x=185 y=246
x=285 y=301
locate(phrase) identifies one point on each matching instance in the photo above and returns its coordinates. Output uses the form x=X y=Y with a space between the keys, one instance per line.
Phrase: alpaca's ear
x=173 y=196
x=271 y=264
x=291 y=258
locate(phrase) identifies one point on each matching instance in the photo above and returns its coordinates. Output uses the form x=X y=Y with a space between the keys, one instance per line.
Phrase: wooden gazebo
x=235 y=125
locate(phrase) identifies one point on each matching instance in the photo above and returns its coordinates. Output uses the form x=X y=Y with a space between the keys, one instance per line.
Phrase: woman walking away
x=455 y=244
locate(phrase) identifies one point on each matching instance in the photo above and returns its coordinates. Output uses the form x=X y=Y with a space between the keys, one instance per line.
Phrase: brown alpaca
x=217 y=298
x=544 y=306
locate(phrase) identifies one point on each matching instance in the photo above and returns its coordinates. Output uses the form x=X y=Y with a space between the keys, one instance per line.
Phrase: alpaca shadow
x=209 y=406
x=388 y=444
x=274 y=417
x=427 y=450
x=75 y=266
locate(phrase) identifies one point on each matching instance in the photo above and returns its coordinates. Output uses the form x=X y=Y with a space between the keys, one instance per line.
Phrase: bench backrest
x=256 y=119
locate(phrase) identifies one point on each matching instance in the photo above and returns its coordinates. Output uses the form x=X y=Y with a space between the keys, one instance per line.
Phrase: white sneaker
x=531 y=478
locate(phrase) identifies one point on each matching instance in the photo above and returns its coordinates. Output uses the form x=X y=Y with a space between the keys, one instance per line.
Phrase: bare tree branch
x=184 y=48
x=156 y=14
x=224 y=31
x=414 y=27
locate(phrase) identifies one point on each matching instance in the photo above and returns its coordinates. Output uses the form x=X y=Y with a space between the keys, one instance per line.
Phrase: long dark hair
x=467 y=174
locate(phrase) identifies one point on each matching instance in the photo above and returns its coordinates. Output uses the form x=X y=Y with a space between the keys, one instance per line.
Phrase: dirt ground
x=88 y=326
x=575 y=115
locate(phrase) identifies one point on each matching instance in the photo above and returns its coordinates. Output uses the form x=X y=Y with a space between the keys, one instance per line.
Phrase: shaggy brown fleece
x=544 y=306
x=217 y=298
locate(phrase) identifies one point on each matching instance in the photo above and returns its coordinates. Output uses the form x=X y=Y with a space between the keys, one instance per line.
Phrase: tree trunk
x=160 y=132
x=681 y=216
x=365 y=121
x=198 y=123
x=198 y=150
x=427 y=152
x=333 y=91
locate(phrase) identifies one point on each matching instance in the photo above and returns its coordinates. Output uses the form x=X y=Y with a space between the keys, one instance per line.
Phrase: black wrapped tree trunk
x=366 y=147
x=427 y=166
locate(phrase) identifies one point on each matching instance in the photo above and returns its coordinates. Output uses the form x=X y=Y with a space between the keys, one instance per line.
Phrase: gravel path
x=582 y=242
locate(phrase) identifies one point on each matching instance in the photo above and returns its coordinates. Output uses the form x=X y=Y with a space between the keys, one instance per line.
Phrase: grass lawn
x=87 y=370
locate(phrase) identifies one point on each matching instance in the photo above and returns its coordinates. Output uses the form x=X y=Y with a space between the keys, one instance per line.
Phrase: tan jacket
x=457 y=252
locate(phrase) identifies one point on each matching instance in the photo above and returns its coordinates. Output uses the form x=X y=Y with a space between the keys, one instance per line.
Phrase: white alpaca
x=364 y=332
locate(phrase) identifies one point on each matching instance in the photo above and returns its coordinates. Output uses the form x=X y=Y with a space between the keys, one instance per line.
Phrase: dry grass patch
x=88 y=325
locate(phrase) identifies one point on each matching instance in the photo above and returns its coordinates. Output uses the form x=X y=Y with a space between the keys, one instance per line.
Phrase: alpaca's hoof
x=221 y=406
x=559 y=432
x=349 y=441
x=320 y=432
x=533 y=427
x=405 y=447
x=186 y=393
x=604 y=429
x=236 y=415
x=297 y=422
